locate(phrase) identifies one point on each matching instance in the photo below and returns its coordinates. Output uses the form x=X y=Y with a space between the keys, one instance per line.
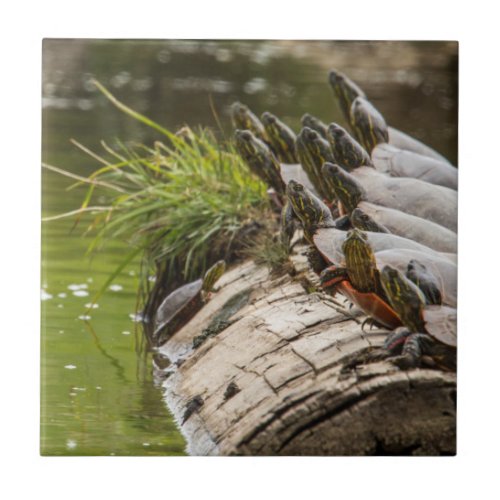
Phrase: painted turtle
x=183 y=303
x=422 y=199
x=357 y=277
x=260 y=159
x=313 y=151
x=430 y=331
x=316 y=124
x=244 y=119
x=281 y=137
x=346 y=91
x=370 y=217
x=368 y=124
x=346 y=150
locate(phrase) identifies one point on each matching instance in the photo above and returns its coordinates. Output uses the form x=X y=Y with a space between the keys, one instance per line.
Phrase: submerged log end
x=281 y=378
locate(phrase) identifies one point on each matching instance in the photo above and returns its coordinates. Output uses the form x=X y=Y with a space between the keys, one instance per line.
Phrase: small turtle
x=346 y=150
x=316 y=124
x=244 y=119
x=281 y=137
x=400 y=163
x=312 y=151
x=260 y=159
x=357 y=277
x=430 y=331
x=370 y=217
x=183 y=303
x=413 y=196
x=346 y=91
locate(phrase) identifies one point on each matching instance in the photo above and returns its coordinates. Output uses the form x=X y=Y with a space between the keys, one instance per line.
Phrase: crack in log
x=256 y=373
x=345 y=406
x=276 y=414
x=314 y=369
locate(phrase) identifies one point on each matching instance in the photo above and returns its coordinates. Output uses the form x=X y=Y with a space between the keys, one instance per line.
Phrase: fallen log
x=268 y=367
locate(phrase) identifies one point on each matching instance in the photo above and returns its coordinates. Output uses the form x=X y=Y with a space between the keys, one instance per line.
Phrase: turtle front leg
x=331 y=277
x=401 y=347
x=415 y=346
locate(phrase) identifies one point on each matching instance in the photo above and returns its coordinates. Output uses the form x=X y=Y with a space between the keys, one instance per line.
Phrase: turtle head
x=341 y=84
x=243 y=118
x=360 y=261
x=317 y=149
x=248 y=145
x=314 y=123
x=311 y=211
x=302 y=148
x=347 y=151
x=368 y=123
x=361 y=220
x=239 y=115
x=308 y=134
x=212 y=275
x=405 y=298
x=281 y=137
x=345 y=90
x=268 y=118
x=348 y=190
x=259 y=158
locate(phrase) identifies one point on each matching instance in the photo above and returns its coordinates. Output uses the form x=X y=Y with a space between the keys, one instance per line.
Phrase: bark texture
x=280 y=377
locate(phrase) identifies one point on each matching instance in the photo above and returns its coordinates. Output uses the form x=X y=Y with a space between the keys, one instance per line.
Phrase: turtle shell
x=177 y=309
x=409 y=226
x=400 y=163
x=441 y=323
x=404 y=141
x=413 y=196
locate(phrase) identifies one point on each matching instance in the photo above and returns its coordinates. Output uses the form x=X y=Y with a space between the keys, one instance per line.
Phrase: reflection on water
x=98 y=396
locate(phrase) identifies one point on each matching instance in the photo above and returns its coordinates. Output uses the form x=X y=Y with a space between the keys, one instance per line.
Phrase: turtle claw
x=404 y=348
x=370 y=321
x=405 y=361
x=377 y=355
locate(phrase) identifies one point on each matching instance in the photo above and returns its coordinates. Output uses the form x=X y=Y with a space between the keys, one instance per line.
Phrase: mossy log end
x=281 y=378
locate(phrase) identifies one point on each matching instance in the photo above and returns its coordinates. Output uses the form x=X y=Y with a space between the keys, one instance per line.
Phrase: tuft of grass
x=183 y=203
x=269 y=249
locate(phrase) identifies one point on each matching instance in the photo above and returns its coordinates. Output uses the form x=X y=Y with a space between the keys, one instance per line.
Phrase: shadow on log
x=275 y=376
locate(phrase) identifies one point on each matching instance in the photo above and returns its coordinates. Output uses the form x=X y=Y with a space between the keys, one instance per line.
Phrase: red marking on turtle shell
x=372 y=305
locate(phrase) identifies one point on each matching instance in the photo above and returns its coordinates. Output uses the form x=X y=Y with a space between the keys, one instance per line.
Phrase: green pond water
x=98 y=395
